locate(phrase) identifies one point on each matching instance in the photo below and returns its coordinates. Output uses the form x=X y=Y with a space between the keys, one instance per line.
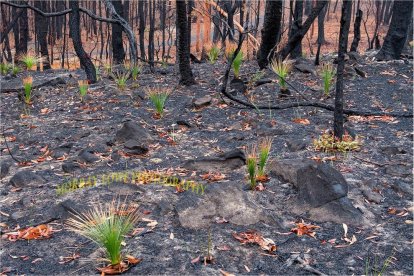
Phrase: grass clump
x=15 y=70
x=213 y=54
x=106 y=225
x=282 y=69
x=83 y=86
x=29 y=61
x=158 y=97
x=264 y=150
x=135 y=71
x=251 y=162
x=237 y=62
x=4 y=68
x=121 y=78
x=329 y=143
x=27 y=85
x=327 y=74
x=374 y=268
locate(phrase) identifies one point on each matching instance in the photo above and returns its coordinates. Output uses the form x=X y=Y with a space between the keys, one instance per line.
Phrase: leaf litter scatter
x=270 y=222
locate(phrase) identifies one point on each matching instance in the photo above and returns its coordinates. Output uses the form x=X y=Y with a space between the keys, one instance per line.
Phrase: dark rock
x=283 y=93
x=203 y=101
x=360 y=72
x=18 y=215
x=237 y=86
x=70 y=166
x=297 y=144
x=115 y=156
x=16 y=85
x=87 y=156
x=263 y=81
x=133 y=131
x=338 y=211
x=372 y=196
x=4 y=169
x=135 y=147
x=355 y=57
x=26 y=178
x=62 y=150
x=226 y=201
x=403 y=187
x=184 y=123
x=392 y=150
x=306 y=68
x=288 y=169
x=223 y=163
x=138 y=95
x=398 y=170
x=319 y=184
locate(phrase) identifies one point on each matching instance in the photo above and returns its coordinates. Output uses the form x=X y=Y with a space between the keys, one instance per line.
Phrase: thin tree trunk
x=41 y=33
x=141 y=28
x=357 y=31
x=321 y=26
x=183 y=53
x=85 y=60
x=118 y=52
x=296 y=26
x=343 y=45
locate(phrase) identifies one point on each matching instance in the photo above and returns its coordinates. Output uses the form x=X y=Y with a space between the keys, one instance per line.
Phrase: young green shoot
x=237 y=64
x=135 y=71
x=213 y=54
x=121 y=79
x=264 y=150
x=27 y=85
x=15 y=70
x=327 y=74
x=29 y=61
x=251 y=162
x=83 y=88
x=4 y=68
x=158 y=97
x=106 y=225
x=282 y=69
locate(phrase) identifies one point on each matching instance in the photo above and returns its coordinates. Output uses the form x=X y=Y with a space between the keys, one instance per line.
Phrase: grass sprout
x=29 y=61
x=213 y=53
x=327 y=74
x=121 y=78
x=328 y=143
x=106 y=225
x=251 y=161
x=83 y=86
x=237 y=62
x=264 y=150
x=27 y=85
x=135 y=71
x=282 y=69
x=158 y=97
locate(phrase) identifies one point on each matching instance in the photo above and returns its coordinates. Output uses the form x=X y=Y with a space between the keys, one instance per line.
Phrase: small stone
x=398 y=170
x=296 y=144
x=135 y=147
x=392 y=150
x=62 y=150
x=133 y=131
x=70 y=166
x=203 y=101
x=26 y=178
x=5 y=168
x=403 y=187
x=237 y=86
x=371 y=195
x=18 y=215
x=87 y=156
x=306 y=68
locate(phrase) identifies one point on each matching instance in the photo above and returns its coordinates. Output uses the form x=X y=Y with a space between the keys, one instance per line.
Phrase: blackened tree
x=117 y=45
x=342 y=47
x=357 y=31
x=297 y=24
x=42 y=25
x=397 y=33
x=270 y=31
x=183 y=48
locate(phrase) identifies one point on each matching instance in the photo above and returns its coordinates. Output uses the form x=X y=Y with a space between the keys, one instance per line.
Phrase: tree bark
x=296 y=26
x=357 y=31
x=397 y=32
x=118 y=52
x=321 y=26
x=141 y=28
x=298 y=36
x=85 y=60
x=343 y=45
x=183 y=53
x=270 y=31
x=42 y=29
x=23 y=29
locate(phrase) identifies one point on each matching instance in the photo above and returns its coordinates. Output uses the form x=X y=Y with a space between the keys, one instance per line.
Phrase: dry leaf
x=302 y=121
x=225 y=273
x=224 y=247
x=42 y=231
x=252 y=236
x=304 y=229
x=172 y=236
x=195 y=260
x=213 y=176
x=345 y=229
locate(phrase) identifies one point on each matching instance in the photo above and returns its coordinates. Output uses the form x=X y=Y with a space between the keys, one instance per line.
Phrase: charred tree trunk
x=41 y=32
x=183 y=49
x=270 y=31
x=151 y=33
x=397 y=33
x=321 y=26
x=296 y=26
x=85 y=60
x=357 y=31
x=298 y=36
x=118 y=52
x=23 y=35
x=343 y=45
x=141 y=28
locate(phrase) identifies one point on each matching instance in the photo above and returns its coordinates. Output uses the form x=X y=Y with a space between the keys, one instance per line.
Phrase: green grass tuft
x=327 y=74
x=158 y=97
x=213 y=54
x=282 y=69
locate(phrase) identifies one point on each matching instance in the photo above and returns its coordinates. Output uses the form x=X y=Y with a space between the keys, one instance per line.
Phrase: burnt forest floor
x=57 y=117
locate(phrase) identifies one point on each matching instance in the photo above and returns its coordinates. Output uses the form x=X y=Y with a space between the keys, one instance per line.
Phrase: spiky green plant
x=4 y=68
x=135 y=71
x=29 y=61
x=83 y=86
x=251 y=162
x=327 y=74
x=237 y=62
x=15 y=70
x=213 y=54
x=282 y=69
x=27 y=85
x=374 y=269
x=158 y=97
x=107 y=68
x=106 y=225
x=121 y=78
x=264 y=149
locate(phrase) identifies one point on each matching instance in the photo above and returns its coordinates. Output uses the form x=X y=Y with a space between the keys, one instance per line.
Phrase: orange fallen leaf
x=213 y=176
x=195 y=260
x=44 y=110
x=302 y=121
x=42 y=231
x=304 y=229
x=252 y=236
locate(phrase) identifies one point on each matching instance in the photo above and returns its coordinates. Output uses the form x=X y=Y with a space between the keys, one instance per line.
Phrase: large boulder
x=133 y=131
x=26 y=178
